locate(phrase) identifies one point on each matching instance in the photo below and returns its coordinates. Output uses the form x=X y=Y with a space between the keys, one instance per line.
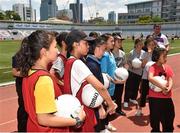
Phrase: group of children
x=81 y=60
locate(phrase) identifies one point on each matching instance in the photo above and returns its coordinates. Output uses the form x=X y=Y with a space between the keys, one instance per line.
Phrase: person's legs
x=118 y=98
x=22 y=116
x=155 y=114
x=135 y=86
x=168 y=115
x=128 y=87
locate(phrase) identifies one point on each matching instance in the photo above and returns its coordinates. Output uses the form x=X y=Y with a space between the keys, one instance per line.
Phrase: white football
x=67 y=106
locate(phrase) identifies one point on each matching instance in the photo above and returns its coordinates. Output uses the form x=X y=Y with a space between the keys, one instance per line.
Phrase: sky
x=90 y=7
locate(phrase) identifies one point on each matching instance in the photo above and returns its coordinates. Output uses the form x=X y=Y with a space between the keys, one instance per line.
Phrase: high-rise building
x=25 y=12
x=112 y=16
x=19 y=9
x=48 y=9
x=168 y=10
x=138 y=9
x=77 y=9
x=28 y=14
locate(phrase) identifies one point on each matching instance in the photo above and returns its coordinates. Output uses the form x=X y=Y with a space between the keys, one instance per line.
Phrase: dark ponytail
x=29 y=52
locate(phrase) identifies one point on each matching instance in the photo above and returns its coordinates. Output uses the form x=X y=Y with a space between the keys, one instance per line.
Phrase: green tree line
x=9 y=15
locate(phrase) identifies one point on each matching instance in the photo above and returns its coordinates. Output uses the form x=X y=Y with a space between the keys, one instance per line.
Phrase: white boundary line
x=4 y=67
x=173 y=54
x=11 y=121
x=7 y=72
x=7 y=83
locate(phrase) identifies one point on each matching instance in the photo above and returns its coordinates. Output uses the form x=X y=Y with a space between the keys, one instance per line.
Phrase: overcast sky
x=90 y=7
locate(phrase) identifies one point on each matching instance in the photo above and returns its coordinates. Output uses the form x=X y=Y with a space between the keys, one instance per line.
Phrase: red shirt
x=159 y=71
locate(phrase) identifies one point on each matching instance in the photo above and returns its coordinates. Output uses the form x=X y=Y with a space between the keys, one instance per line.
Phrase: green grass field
x=9 y=48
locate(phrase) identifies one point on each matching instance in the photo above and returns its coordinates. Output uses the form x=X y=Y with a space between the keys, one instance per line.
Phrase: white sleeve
x=79 y=72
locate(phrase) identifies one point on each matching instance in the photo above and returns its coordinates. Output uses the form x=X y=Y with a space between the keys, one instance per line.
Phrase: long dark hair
x=29 y=52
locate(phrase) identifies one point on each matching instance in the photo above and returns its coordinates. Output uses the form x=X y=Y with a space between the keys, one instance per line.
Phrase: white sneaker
x=133 y=101
x=139 y=113
x=105 y=131
x=126 y=104
x=110 y=128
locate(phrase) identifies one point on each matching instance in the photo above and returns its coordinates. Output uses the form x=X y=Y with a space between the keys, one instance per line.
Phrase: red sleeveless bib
x=29 y=102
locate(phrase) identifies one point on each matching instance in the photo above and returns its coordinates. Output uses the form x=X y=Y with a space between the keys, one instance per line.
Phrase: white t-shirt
x=161 y=40
x=79 y=72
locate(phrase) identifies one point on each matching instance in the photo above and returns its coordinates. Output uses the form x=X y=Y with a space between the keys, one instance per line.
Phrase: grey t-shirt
x=146 y=68
x=132 y=55
x=58 y=66
x=120 y=58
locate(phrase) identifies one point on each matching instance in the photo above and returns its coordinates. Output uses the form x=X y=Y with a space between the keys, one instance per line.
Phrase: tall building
x=28 y=14
x=25 y=12
x=112 y=16
x=19 y=9
x=48 y=9
x=77 y=9
x=178 y=10
x=168 y=10
x=139 y=9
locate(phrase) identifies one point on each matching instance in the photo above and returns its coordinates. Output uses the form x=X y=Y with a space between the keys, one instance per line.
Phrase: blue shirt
x=108 y=65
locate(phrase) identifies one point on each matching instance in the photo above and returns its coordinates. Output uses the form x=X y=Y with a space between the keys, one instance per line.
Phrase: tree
x=144 y=19
x=98 y=20
x=11 y=15
x=16 y=16
x=2 y=16
x=157 y=19
x=111 y=22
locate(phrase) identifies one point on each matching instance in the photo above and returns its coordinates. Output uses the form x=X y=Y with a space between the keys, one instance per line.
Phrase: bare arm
x=47 y=119
x=155 y=82
x=54 y=121
x=170 y=83
x=167 y=47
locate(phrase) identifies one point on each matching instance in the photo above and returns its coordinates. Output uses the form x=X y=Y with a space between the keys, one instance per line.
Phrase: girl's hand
x=82 y=114
x=116 y=81
x=111 y=109
x=102 y=112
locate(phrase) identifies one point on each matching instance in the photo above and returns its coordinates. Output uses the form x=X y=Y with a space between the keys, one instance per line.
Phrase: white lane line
x=7 y=71
x=173 y=54
x=7 y=83
x=7 y=122
x=5 y=67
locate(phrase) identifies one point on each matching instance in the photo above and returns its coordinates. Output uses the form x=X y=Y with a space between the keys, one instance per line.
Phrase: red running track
x=130 y=123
